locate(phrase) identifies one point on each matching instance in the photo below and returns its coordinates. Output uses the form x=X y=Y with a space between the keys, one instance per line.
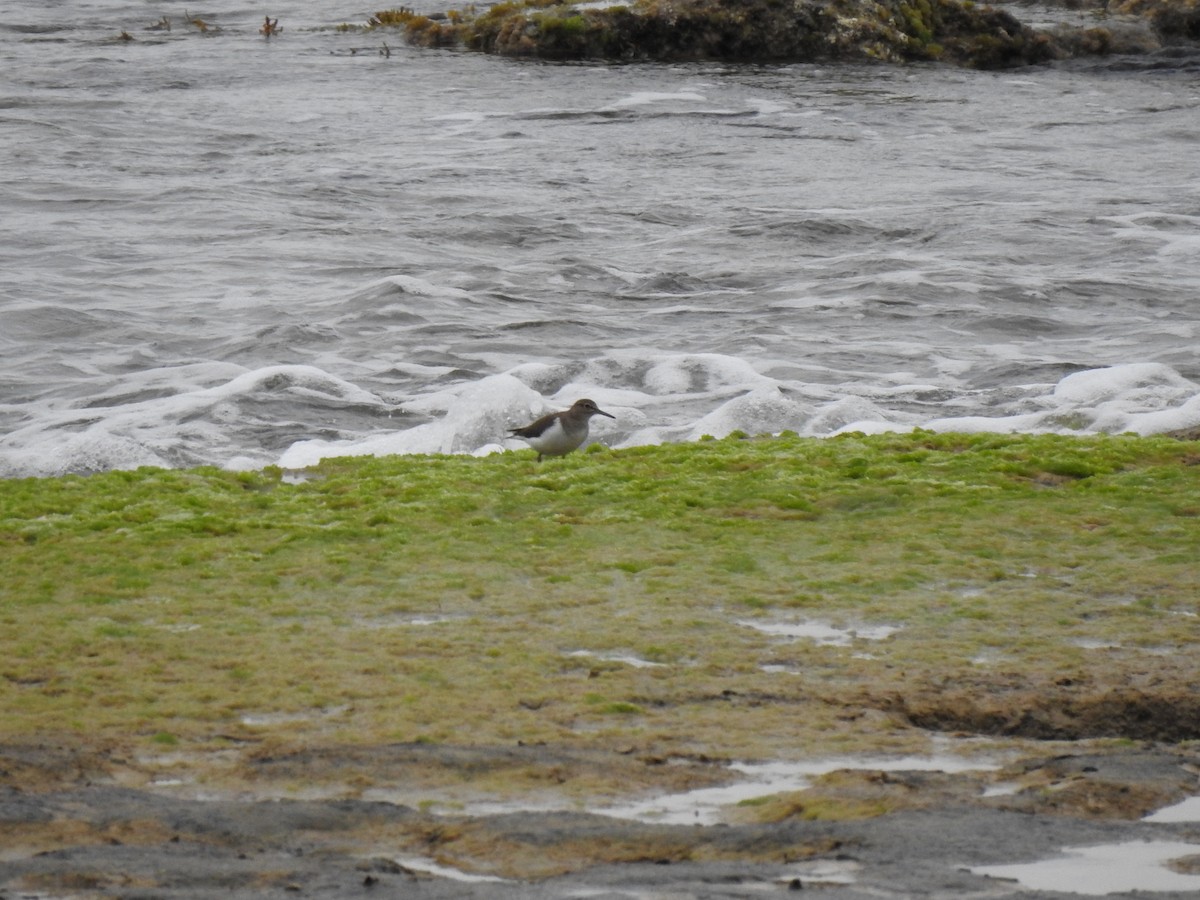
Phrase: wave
x=233 y=424
x=294 y=416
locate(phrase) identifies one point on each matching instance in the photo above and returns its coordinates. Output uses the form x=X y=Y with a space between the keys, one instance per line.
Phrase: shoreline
x=80 y=832
x=219 y=682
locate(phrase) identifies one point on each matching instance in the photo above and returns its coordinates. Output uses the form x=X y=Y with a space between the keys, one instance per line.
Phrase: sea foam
x=294 y=416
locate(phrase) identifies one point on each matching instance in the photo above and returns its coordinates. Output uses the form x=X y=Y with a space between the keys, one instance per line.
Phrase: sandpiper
x=559 y=433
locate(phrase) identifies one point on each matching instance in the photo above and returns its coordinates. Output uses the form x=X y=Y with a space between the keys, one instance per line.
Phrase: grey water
x=219 y=248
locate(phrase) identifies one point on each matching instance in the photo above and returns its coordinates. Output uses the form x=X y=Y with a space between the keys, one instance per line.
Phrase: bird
x=557 y=434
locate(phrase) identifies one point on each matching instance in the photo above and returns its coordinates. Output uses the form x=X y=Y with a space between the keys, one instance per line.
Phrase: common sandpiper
x=559 y=433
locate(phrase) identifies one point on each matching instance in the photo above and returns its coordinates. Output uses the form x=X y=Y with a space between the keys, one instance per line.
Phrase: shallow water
x=1185 y=811
x=1114 y=868
x=823 y=633
x=431 y=867
x=709 y=806
x=222 y=249
x=1134 y=866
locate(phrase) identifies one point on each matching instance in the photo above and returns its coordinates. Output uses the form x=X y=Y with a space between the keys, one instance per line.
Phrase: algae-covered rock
x=895 y=31
x=749 y=30
x=1171 y=19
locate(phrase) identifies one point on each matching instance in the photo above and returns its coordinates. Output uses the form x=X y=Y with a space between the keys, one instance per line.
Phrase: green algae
x=446 y=598
x=734 y=30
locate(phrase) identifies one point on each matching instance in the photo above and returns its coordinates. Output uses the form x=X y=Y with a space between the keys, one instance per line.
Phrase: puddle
x=815 y=873
x=1002 y=789
x=822 y=632
x=300 y=476
x=1090 y=644
x=987 y=660
x=466 y=802
x=822 y=872
x=423 y=864
x=403 y=621
x=1104 y=869
x=281 y=718
x=784 y=669
x=706 y=806
x=635 y=661
x=1187 y=811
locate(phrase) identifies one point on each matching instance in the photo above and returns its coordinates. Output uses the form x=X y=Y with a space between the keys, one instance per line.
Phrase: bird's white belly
x=555 y=440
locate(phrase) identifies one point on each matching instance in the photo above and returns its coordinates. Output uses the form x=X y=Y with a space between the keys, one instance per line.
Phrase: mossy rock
x=1171 y=19
x=740 y=30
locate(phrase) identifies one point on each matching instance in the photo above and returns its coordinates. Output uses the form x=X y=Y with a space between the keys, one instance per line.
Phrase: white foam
x=1104 y=869
x=844 y=413
x=419 y=287
x=657 y=398
x=692 y=374
x=1121 y=382
x=159 y=430
x=648 y=98
x=1145 y=398
x=478 y=415
x=762 y=411
x=95 y=450
x=474 y=418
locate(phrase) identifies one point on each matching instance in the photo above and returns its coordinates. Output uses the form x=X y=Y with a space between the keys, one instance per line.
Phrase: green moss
x=620 y=708
x=420 y=594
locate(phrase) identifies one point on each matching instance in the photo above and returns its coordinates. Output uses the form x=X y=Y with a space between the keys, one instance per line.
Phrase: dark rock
x=762 y=31
x=789 y=31
x=173 y=848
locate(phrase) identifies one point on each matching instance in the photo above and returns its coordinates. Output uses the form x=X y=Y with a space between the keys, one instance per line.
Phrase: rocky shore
x=958 y=32
x=897 y=660
x=76 y=822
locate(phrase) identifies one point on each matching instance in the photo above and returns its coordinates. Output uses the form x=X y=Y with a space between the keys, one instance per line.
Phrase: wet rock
x=1172 y=20
x=755 y=30
x=908 y=833
x=895 y=31
x=1099 y=786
